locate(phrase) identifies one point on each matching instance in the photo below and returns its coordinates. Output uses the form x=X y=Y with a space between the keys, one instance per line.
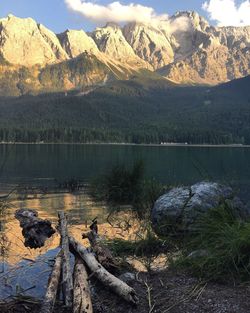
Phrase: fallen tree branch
x=50 y=297
x=109 y=280
x=81 y=298
x=67 y=280
x=103 y=254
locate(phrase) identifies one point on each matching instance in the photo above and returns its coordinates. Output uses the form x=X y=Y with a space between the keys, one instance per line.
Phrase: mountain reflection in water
x=24 y=270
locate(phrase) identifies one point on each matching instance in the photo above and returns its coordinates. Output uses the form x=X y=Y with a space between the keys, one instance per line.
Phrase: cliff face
x=209 y=55
x=185 y=49
x=75 y=42
x=24 y=42
x=111 y=42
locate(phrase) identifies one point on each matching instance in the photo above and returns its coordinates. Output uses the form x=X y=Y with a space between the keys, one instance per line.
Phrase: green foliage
x=223 y=246
x=77 y=71
x=121 y=185
x=150 y=191
x=127 y=186
x=149 y=246
x=136 y=111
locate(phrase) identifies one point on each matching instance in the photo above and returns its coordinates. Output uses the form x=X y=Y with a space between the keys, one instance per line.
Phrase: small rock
x=198 y=254
x=127 y=277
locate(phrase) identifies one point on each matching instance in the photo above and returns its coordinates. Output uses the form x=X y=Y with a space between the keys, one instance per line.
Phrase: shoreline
x=131 y=144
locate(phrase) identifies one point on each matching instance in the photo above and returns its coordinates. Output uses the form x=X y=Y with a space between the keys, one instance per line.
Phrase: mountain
x=76 y=42
x=132 y=111
x=216 y=54
x=184 y=49
x=110 y=40
x=24 y=42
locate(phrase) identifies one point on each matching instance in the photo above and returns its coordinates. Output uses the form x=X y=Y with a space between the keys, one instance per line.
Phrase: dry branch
x=82 y=298
x=109 y=280
x=103 y=254
x=67 y=280
x=50 y=297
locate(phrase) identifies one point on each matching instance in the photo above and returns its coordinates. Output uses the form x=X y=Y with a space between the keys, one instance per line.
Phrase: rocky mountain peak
x=25 y=42
x=75 y=42
x=111 y=41
x=183 y=48
x=113 y=25
x=149 y=43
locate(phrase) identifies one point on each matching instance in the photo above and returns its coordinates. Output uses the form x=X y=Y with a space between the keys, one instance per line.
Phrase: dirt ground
x=161 y=292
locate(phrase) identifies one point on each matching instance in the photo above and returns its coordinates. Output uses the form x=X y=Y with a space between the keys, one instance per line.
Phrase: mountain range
x=184 y=50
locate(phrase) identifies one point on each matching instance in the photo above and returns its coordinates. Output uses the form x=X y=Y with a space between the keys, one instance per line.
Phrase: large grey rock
x=179 y=209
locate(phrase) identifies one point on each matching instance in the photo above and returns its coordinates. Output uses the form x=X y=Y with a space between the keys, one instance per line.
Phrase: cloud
x=228 y=13
x=114 y=12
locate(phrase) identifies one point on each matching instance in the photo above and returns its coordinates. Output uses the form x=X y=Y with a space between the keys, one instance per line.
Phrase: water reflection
x=80 y=208
x=26 y=270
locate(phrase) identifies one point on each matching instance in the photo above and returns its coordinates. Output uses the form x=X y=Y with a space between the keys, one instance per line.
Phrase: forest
x=131 y=112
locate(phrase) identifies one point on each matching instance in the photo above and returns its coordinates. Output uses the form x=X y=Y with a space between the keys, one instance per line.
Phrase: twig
x=149 y=289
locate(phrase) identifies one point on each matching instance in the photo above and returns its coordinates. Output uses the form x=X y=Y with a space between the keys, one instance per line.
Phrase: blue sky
x=55 y=14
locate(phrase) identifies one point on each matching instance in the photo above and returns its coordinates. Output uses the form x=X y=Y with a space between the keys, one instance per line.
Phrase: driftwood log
x=103 y=254
x=35 y=230
x=50 y=297
x=109 y=280
x=82 y=298
x=67 y=280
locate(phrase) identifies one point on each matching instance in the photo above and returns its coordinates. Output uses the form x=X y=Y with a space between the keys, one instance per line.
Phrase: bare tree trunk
x=50 y=297
x=109 y=280
x=67 y=280
x=82 y=298
x=103 y=254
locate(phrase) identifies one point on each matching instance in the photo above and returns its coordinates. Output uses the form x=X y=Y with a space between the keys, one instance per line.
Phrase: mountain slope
x=184 y=49
x=75 y=42
x=110 y=40
x=24 y=42
x=128 y=112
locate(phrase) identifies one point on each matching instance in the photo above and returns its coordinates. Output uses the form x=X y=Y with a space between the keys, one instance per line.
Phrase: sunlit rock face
x=149 y=43
x=184 y=49
x=208 y=55
x=75 y=42
x=24 y=42
x=111 y=41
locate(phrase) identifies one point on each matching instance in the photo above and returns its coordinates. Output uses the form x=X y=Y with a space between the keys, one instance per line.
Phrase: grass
x=127 y=186
x=222 y=243
x=149 y=246
x=120 y=185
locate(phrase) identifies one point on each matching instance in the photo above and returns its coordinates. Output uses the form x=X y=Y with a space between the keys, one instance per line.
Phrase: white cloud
x=228 y=13
x=114 y=12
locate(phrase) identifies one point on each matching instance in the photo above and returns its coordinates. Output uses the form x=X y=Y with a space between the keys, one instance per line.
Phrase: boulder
x=179 y=209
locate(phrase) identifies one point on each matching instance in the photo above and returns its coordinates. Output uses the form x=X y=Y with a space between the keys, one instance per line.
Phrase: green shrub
x=127 y=186
x=223 y=242
x=149 y=246
x=121 y=185
x=150 y=191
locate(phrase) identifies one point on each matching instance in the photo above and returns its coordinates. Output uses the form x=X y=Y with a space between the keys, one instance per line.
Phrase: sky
x=59 y=15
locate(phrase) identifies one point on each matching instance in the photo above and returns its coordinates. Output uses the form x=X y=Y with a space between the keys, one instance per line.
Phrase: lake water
x=41 y=165
x=169 y=164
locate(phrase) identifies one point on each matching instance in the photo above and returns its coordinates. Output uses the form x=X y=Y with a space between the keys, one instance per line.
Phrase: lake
x=42 y=165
